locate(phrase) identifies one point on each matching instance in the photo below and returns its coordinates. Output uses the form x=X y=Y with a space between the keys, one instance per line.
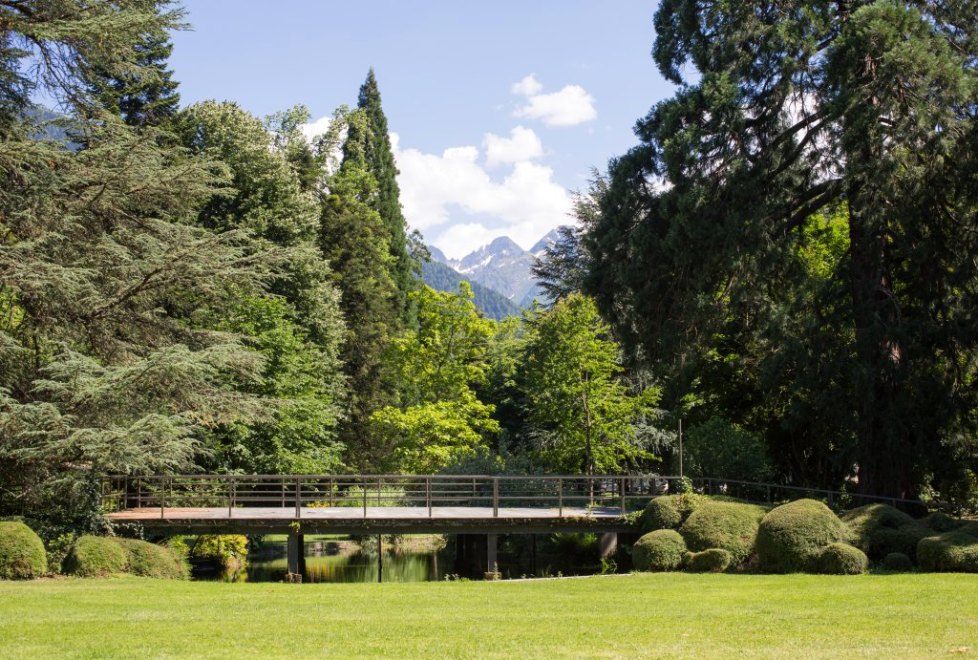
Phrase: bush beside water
x=22 y=554
x=731 y=526
x=791 y=536
x=669 y=511
x=661 y=550
x=103 y=556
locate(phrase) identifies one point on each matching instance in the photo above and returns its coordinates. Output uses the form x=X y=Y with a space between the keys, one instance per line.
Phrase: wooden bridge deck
x=372 y=519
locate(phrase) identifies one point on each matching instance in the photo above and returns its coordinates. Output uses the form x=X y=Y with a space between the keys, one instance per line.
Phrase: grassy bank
x=644 y=615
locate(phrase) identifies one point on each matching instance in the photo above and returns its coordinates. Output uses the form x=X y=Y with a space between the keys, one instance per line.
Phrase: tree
x=439 y=420
x=368 y=145
x=575 y=393
x=792 y=112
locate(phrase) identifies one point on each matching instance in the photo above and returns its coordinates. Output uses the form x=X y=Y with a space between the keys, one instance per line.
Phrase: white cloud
x=521 y=145
x=529 y=86
x=458 y=206
x=314 y=129
x=570 y=106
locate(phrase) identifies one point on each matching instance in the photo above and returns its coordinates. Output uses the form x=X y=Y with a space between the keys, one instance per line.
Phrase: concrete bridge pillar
x=608 y=544
x=296 y=555
x=476 y=554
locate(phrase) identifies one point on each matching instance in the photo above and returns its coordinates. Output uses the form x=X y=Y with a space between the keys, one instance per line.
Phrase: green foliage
x=22 y=554
x=730 y=526
x=575 y=394
x=879 y=529
x=221 y=547
x=96 y=556
x=712 y=560
x=661 y=550
x=718 y=448
x=897 y=562
x=791 y=536
x=669 y=511
x=954 y=551
x=152 y=560
x=841 y=559
x=940 y=522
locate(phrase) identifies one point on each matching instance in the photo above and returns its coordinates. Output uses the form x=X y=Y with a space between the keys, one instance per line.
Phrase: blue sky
x=499 y=109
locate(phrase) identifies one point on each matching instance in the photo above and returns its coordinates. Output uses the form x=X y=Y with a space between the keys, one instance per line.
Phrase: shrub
x=954 y=551
x=151 y=560
x=669 y=511
x=940 y=522
x=791 y=536
x=879 y=529
x=22 y=554
x=897 y=562
x=728 y=525
x=96 y=556
x=713 y=560
x=661 y=550
x=841 y=559
x=230 y=550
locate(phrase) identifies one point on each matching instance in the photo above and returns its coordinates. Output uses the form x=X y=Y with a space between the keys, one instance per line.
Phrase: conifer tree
x=369 y=144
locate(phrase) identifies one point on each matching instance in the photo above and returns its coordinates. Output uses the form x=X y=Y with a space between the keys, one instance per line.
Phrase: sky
x=498 y=110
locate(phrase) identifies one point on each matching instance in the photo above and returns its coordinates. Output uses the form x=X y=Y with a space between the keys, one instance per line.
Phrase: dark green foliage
x=22 y=554
x=712 y=560
x=368 y=146
x=807 y=270
x=730 y=526
x=841 y=559
x=96 y=556
x=791 y=536
x=897 y=562
x=492 y=304
x=940 y=522
x=661 y=550
x=955 y=551
x=879 y=529
x=718 y=448
x=669 y=511
x=151 y=560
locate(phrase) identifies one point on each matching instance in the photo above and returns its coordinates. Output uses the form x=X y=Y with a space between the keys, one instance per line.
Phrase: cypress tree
x=370 y=144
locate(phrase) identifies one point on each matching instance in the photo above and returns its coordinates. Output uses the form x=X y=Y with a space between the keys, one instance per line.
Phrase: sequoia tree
x=785 y=113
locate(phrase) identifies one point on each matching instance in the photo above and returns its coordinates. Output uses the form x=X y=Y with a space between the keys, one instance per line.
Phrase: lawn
x=638 y=615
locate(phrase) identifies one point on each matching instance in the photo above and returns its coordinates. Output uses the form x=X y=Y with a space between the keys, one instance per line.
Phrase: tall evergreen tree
x=794 y=111
x=369 y=144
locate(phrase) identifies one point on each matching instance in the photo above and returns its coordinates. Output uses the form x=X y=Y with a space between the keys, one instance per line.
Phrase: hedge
x=96 y=556
x=730 y=526
x=954 y=551
x=713 y=560
x=669 y=511
x=661 y=550
x=791 y=536
x=151 y=560
x=897 y=562
x=841 y=559
x=22 y=554
x=880 y=529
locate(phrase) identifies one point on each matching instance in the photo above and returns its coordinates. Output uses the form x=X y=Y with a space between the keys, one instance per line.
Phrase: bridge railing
x=566 y=493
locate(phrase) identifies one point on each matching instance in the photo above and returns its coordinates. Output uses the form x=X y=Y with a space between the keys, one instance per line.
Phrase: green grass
x=668 y=614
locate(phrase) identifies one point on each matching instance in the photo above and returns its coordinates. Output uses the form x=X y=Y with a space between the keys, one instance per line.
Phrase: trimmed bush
x=151 y=560
x=669 y=511
x=954 y=551
x=791 y=536
x=842 y=559
x=22 y=554
x=96 y=556
x=231 y=550
x=731 y=526
x=713 y=560
x=940 y=522
x=879 y=529
x=897 y=562
x=661 y=550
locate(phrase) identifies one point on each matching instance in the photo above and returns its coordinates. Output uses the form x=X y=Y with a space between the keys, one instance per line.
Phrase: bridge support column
x=296 y=555
x=608 y=544
x=492 y=545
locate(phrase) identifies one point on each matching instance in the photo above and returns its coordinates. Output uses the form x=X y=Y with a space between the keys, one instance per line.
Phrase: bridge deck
x=353 y=520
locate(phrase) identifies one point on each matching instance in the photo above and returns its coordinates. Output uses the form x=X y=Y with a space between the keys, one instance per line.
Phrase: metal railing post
x=231 y=487
x=162 y=498
x=365 y=499
x=623 y=496
x=298 y=497
x=495 y=497
x=427 y=493
x=560 y=496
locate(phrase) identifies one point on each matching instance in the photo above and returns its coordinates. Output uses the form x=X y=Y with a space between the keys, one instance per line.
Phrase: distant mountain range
x=500 y=273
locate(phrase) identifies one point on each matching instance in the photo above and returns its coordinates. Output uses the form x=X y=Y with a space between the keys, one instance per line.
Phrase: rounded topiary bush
x=940 y=522
x=897 y=562
x=954 y=551
x=841 y=559
x=661 y=550
x=713 y=560
x=151 y=560
x=731 y=526
x=96 y=556
x=791 y=536
x=669 y=511
x=22 y=554
x=879 y=529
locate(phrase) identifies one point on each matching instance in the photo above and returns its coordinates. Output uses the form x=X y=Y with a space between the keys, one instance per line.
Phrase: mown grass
x=638 y=615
